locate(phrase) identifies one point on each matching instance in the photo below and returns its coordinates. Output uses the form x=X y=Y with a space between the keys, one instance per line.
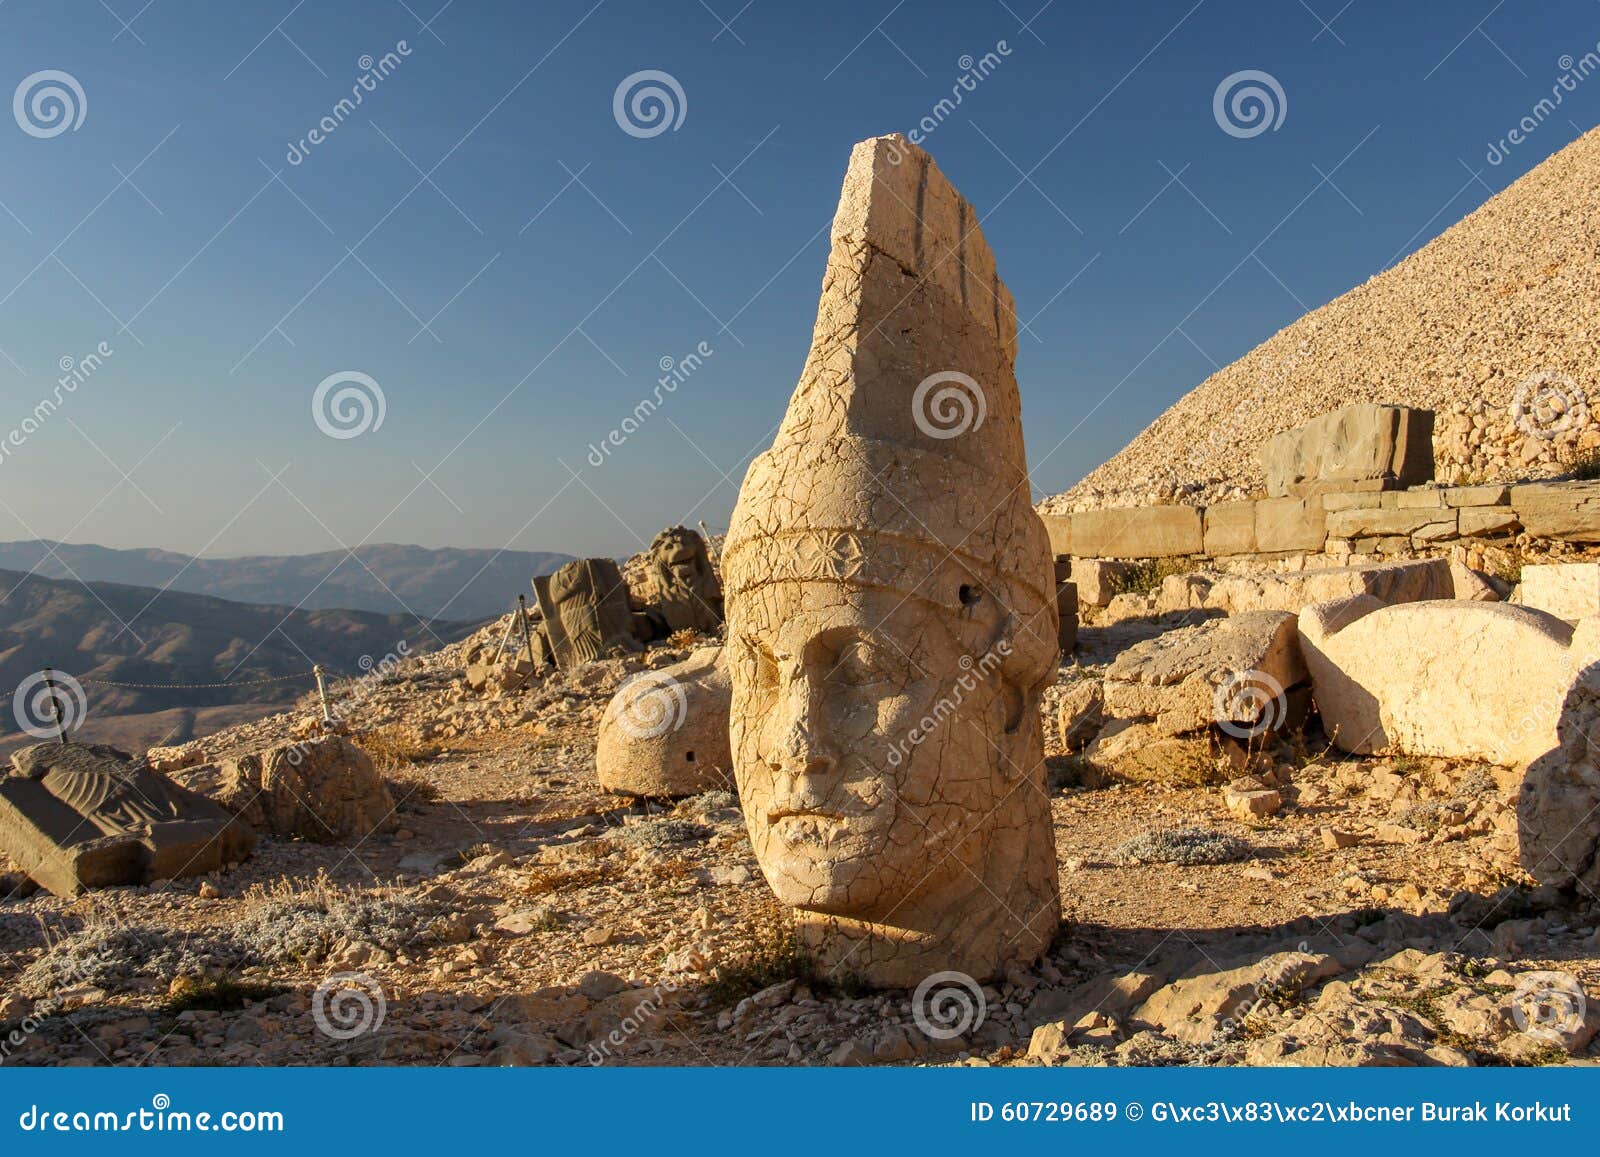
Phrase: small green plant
x=1145 y=576
x=220 y=994
x=1582 y=465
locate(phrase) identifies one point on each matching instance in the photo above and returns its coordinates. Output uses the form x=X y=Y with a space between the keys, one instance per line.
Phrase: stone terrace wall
x=1387 y=522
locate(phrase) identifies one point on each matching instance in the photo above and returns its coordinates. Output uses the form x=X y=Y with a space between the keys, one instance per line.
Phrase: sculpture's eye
x=861 y=664
x=763 y=662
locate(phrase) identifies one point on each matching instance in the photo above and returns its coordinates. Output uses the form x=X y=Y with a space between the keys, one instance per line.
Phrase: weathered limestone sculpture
x=75 y=816
x=892 y=609
x=586 y=613
x=1457 y=679
x=680 y=584
x=325 y=790
x=1558 y=814
x=665 y=732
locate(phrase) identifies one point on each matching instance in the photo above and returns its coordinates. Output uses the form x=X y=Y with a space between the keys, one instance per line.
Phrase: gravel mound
x=1499 y=308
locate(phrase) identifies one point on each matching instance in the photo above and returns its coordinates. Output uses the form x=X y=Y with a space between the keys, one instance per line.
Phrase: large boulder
x=665 y=732
x=1399 y=582
x=1558 y=816
x=76 y=816
x=324 y=789
x=1233 y=672
x=1464 y=680
x=1360 y=447
x=1567 y=590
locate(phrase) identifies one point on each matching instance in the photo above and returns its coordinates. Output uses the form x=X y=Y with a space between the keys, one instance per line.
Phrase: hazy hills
x=131 y=634
x=447 y=583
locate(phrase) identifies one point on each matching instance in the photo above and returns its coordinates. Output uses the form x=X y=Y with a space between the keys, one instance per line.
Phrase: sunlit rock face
x=890 y=607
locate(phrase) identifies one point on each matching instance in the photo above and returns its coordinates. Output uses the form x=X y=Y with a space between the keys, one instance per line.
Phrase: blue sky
x=483 y=240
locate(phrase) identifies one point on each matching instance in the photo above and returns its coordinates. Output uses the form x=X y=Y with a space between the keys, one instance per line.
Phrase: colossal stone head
x=680 y=582
x=890 y=606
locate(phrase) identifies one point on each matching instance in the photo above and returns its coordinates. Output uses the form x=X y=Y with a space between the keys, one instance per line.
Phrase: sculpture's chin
x=840 y=878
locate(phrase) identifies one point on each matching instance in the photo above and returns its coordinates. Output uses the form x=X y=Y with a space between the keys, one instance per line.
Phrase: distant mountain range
x=136 y=635
x=448 y=583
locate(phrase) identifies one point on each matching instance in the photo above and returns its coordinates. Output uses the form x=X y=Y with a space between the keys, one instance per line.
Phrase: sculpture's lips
x=801 y=828
x=777 y=814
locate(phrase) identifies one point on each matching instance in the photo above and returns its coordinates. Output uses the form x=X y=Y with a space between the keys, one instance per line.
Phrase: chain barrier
x=197 y=686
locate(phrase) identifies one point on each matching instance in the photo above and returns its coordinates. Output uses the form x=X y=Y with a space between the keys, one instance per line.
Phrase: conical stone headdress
x=900 y=462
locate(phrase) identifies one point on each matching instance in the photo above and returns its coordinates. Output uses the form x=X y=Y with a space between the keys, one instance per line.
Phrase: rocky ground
x=1494 y=311
x=522 y=916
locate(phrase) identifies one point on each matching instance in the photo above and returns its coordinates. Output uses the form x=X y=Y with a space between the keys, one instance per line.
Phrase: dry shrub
x=395 y=747
x=767 y=952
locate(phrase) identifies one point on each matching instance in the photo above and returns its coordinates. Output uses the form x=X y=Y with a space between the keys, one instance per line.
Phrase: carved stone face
x=860 y=728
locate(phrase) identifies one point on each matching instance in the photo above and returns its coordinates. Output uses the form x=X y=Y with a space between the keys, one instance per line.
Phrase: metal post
x=322 y=693
x=55 y=706
x=527 y=635
x=511 y=625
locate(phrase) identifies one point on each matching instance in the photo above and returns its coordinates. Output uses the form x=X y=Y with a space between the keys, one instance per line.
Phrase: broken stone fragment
x=76 y=816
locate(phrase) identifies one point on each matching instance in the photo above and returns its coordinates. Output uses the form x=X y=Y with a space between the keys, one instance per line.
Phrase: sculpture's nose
x=806 y=750
x=805 y=754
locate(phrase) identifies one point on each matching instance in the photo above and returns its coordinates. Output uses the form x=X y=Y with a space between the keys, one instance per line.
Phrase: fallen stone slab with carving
x=665 y=732
x=892 y=609
x=1464 y=680
x=76 y=816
